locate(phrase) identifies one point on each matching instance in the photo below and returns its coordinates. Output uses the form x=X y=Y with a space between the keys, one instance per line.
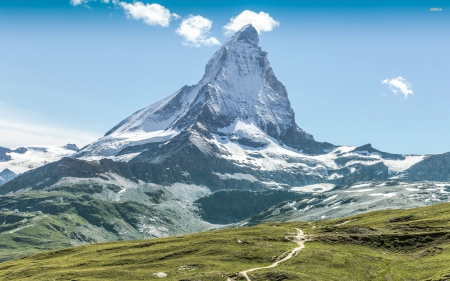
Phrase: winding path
x=299 y=239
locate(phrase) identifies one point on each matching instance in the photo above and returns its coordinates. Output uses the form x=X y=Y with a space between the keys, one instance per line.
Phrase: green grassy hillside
x=65 y=220
x=385 y=245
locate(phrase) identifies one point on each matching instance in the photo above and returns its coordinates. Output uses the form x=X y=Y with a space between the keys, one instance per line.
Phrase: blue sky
x=69 y=73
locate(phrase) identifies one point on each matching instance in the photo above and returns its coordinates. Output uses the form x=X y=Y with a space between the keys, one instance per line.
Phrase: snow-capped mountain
x=238 y=99
x=14 y=161
x=239 y=112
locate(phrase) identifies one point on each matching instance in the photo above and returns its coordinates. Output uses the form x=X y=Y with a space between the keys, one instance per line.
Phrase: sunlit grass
x=384 y=245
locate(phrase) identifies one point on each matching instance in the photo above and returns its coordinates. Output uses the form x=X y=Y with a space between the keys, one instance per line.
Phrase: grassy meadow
x=386 y=245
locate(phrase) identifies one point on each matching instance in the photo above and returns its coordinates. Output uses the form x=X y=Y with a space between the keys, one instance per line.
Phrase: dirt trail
x=345 y=222
x=299 y=239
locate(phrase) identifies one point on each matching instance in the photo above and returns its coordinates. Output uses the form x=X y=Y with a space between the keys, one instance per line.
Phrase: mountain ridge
x=21 y=159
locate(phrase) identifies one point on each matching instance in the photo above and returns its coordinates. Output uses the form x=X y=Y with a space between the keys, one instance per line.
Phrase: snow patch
x=387 y=195
x=359 y=190
x=361 y=185
x=330 y=198
x=401 y=165
x=320 y=187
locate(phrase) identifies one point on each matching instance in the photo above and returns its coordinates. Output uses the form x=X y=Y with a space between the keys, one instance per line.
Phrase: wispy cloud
x=399 y=84
x=195 y=31
x=19 y=127
x=79 y=2
x=151 y=14
x=261 y=21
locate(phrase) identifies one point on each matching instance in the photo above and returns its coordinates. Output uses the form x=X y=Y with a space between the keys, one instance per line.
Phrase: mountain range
x=224 y=152
x=15 y=161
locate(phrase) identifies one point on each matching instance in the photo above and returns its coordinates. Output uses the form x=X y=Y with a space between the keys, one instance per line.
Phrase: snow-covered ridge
x=22 y=159
x=270 y=155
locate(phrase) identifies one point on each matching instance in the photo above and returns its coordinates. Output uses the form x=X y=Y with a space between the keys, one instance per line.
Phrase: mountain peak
x=6 y=172
x=247 y=34
x=71 y=146
x=238 y=97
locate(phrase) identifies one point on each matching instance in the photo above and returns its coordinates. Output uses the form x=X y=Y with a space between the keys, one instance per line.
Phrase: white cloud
x=262 y=22
x=27 y=129
x=195 y=31
x=79 y=2
x=399 y=84
x=151 y=14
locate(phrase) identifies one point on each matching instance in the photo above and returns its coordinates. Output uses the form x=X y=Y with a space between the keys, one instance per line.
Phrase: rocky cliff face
x=433 y=168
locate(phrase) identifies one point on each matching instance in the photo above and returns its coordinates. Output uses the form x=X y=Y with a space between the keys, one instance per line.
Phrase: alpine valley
x=224 y=152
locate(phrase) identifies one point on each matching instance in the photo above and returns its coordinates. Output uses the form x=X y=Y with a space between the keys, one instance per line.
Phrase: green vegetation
x=409 y=244
x=36 y=221
x=31 y=234
x=208 y=256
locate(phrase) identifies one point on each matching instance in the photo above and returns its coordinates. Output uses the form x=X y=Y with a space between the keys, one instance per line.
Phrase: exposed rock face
x=3 y=155
x=359 y=172
x=50 y=174
x=367 y=149
x=433 y=168
x=71 y=146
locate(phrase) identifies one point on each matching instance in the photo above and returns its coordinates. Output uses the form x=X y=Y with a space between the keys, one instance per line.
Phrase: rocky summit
x=226 y=151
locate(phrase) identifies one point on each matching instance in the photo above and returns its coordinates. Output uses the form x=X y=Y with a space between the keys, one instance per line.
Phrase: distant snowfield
x=34 y=157
x=401 y=165
x=320 y=187
x=361 y=185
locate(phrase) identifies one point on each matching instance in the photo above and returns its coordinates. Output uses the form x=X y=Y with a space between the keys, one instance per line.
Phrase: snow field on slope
x=319 y=187
x=271 y=157
x=35 y=157
x=109 y=146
